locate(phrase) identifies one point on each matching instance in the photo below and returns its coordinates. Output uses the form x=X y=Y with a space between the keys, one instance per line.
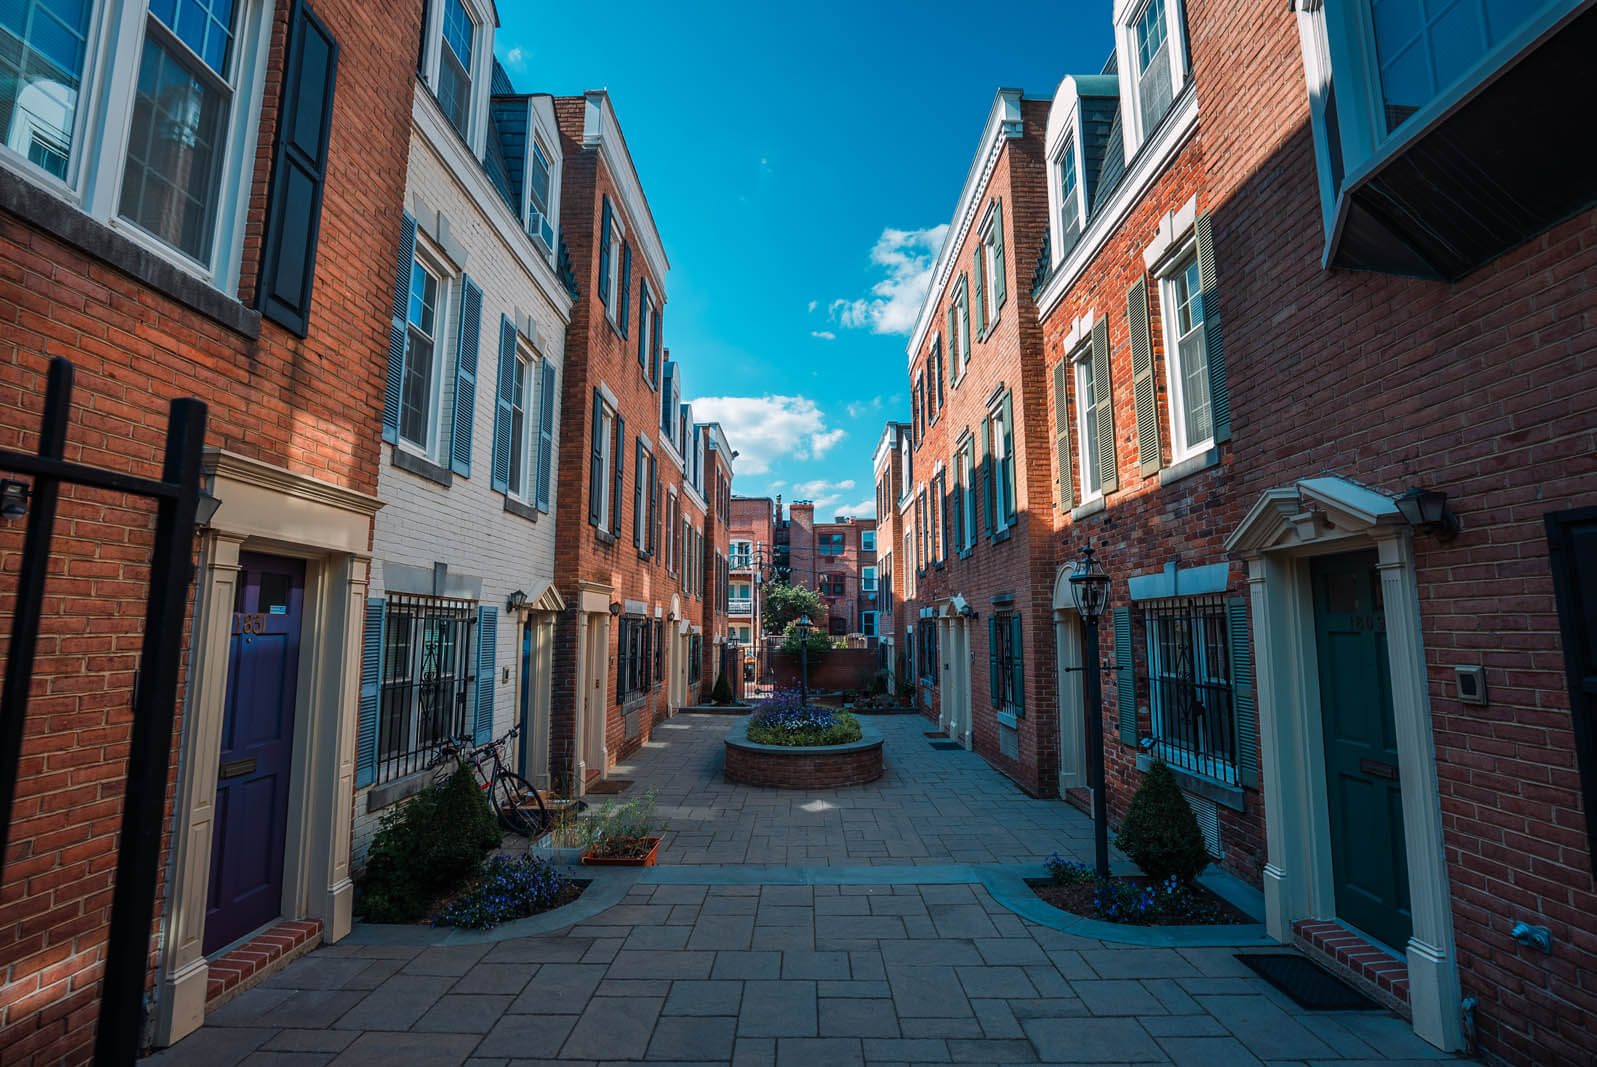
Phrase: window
x=634 y=657
x=915 y=394
x=867 y=623
x=1423 y=48
x=427 y=680
x=1006 y=678
x=999 y=494
x=991 y=276
x=922 y=555
x=1153 y=69
x=607 y=468
x=454 y=67
x=832 y=585
x=957 y=368
x=867 y=579
x=418 y=402
x=640 y=486
x=867 y=539
x=1070 y=209
x=42 y=62
x=523 y=374
x=1151 y=56
x=742 y=555
x=695 y=658
x=934 y=518
x=1188 y=679
x=829 y=544
x=1186 y=358
x=1087 y=401
x=926 y=654
x=966 y=490
x=615 y=267
x=540 y=216
x=649 y=336
x=911 y=564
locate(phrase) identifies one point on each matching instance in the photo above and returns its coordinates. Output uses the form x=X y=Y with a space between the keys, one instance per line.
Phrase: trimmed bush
x=722 y=693
x=1159 y=832
x=427 y=848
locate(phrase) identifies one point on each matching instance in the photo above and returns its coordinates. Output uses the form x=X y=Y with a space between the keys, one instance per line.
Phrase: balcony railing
x=740 y=605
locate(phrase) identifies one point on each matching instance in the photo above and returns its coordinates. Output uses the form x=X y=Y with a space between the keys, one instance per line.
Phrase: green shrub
x=1159 y=832
x=722 y=693
x=1066 y=872
x=623 y=829
x=427 y=848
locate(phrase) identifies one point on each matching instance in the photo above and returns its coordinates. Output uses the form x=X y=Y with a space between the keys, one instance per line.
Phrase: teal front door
x=1361 y=766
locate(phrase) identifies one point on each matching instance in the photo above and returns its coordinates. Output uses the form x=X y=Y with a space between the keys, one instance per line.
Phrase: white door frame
x=1072 y=703
x=1285 y=529
x=593 y=658
x=953 y=648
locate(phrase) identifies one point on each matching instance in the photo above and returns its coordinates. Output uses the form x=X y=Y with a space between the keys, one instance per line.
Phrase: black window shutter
x=596 y=478
x=620 y=475
x=299 y=170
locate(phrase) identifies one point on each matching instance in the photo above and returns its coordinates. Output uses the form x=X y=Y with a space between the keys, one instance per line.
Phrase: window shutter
x=466 y=346
x=643 y=325
x=1147 y=398
x=638 y=479
x=964 y=324
x=1103 y=392
x=371 y=691
x=1067 y=496
x=399 y=328
x=957 y=502
x=654 y=504
x=994 y=677
x=981 y=289
x=620 y=475
x=504 y=390
x=948 y=512
x=1000 y=283
x=487 y=642
x=953 y=339
x=986 y=466
x=654 y=360
x=596 y=480
x=1018 y=670
x=299 y=170
x=625 y=308
x=604 y=253
x=1214 y=350
x=1008 y=486
x=1244 y=704
x=1125 y=679
x=546 y=434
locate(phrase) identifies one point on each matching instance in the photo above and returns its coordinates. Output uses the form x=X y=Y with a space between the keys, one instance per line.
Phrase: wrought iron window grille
x=1187 y=678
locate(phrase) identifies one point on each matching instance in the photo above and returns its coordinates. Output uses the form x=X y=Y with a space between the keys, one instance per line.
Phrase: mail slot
x=1377 y=769
x=237 y=768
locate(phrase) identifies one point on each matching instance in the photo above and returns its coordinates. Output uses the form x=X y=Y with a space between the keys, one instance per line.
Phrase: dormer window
x=1069 y=200
x=540 y=224
x=454 y=67
x=1153 y=69
x=1151 y=55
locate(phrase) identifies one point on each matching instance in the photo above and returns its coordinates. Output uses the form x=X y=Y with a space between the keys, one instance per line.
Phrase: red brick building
x=644 y=491
x=890 y=465
x=274 y=309
x=838 y=560
x=752 y=545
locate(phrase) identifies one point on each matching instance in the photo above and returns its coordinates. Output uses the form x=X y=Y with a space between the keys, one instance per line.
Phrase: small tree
x=819 y=642
x=785 y=603
x=1160 y=833
x=722 y=693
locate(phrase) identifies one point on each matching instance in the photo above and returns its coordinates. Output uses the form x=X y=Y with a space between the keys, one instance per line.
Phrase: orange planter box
x=648 y=859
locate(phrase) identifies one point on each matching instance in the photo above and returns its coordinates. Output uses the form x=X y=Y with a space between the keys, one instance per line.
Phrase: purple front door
x=257 y=750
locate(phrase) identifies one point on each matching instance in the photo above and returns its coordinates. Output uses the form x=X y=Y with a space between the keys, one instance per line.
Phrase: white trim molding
x=601 y=129
x=1283 y=531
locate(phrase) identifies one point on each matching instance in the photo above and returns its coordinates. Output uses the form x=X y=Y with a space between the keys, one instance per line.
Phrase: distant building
x=838 y=560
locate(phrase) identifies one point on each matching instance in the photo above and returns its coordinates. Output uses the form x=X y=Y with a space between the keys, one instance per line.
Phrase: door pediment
x=1313 y=511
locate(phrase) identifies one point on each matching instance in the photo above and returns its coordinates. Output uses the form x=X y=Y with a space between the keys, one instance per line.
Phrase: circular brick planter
x=791 y=767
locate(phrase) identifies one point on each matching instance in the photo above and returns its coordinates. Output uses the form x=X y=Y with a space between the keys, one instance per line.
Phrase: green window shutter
x=466 y=345
x=604 y=252
x=548 y=397
x=596 y=480
x=487 y=647
x=986 y=475
x=953 y=339
x=399 y=328
x=371 y=691
x=620 y=453
x=1244 y=704
x=1125 y=677
x=1000 y=283
x=957 y=503
x=994 y=672
x=1103 y=392
x=981 y=290
x=1008 y=485
x=505 y=385
x=1067 y=496
x=1017 y=681
x=1147 y=398
x=624 y=310
x=1219 y=396
x=964 y=323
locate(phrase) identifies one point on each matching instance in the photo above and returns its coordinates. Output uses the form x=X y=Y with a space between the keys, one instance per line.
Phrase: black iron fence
x=429 y=675
x=1189 y=686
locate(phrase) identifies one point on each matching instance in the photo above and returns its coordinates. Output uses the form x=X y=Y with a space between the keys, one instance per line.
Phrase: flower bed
x=815 y=748
x=782 y=720
x=509 y=887
x=1138 y=901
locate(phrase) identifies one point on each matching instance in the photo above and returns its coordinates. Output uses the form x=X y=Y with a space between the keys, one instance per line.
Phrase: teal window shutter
x=548 y=397
x=1219 y=394
x=399 y=328
x=981 y=291
x=624 y=307
x=1244 y=704
x=995 y=683
x=371 y=691
x=1009 y=513
x=1125 y=679
x=1017 y=680
x=466 y=376
x=487 y=647
x=604 y=252
x=1000 y=282
x=620 y=454
x=503 y=414
x=654 y=360
x=643 y=324
x=986 y=464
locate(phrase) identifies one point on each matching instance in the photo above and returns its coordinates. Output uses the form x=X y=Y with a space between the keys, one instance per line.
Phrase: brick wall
x=312 y=406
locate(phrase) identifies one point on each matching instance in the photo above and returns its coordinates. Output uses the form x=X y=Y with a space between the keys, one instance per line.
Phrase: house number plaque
x=251 y=622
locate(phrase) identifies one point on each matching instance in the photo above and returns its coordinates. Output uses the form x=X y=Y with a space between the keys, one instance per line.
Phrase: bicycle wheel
x=518 y=805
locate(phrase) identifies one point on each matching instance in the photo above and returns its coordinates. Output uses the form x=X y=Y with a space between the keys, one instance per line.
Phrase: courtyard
x=879 y=924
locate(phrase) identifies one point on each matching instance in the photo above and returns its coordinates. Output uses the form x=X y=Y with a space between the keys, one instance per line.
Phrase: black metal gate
x=176 y=496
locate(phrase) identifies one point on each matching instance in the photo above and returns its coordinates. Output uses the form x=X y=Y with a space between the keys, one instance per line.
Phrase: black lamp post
x=802 y=627
x=1089 y=587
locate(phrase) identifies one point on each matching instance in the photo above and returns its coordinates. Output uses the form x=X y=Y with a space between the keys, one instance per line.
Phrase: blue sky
x=800 y=161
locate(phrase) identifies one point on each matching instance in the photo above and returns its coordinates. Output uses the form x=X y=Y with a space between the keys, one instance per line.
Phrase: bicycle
x=517 y=803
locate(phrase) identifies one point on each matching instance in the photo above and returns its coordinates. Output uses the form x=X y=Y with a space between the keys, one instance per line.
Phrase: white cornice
x=601 y=128
x=1004 y=123
x=1154 y=158
x=434 y=131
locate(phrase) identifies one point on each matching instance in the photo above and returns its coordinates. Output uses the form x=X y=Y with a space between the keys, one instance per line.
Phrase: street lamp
x=802 y=627
x=1089 y=587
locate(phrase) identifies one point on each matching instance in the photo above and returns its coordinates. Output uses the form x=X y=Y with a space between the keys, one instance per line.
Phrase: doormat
x=1306 y=983
x=936 y=733
x=610 y=785
x=948 y=746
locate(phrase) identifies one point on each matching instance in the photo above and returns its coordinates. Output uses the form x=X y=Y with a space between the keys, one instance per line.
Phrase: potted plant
x=623 y=835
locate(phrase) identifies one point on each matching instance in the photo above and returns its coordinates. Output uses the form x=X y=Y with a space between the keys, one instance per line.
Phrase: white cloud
x=861 y=407
x=906 y=257
x=766 y=428
x=812 y=305
x=516 y=58
x=865 y=509
x=821 y=486
x=823 y=335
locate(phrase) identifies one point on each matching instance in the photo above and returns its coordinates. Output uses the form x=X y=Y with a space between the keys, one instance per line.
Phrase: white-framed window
x=142 y=115
x=612 y=281
x=1151 y=54
x=541 y=205
x=867 y=541
x=523 y=432
x=454 y=66
x=965 y=487
x=648 y=325
x=1186 y=357
x=867 y=581
x=1068 y=203
x=420 y=397
x=604 y=462
x=1001 y=499
x=993 y=278
x=911 y=564
x=1087 y=401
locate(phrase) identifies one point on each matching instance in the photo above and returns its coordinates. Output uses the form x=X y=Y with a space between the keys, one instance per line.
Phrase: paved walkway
x=810 y=974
